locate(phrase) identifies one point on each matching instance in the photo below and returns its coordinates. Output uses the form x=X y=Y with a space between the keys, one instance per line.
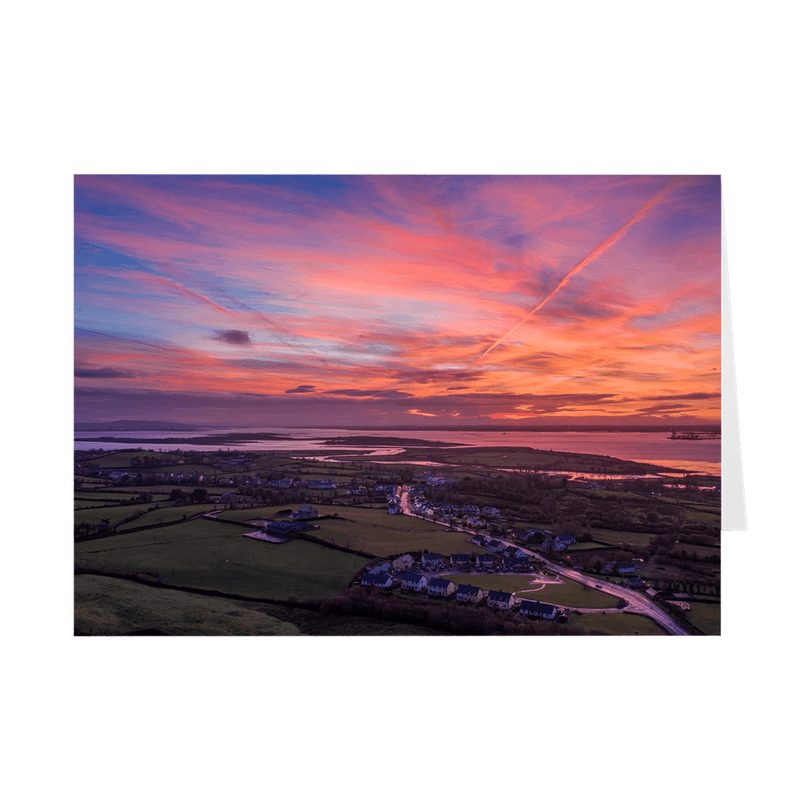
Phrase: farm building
x=306 y=512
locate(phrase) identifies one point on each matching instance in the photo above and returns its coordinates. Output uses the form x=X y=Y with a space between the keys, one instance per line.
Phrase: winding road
x=637 y=603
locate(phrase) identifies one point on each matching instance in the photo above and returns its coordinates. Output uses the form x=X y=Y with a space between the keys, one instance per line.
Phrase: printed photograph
x=397 y=405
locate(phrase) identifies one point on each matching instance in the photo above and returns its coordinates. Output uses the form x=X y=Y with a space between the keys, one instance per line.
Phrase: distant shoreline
x=144 y=425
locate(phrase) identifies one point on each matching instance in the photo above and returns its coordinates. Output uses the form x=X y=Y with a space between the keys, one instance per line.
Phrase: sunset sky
x=398 y=301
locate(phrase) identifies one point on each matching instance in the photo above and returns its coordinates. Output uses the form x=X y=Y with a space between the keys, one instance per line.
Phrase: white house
x=381 y=580
x=441 y=587
x=469 y=594
x=306 y=512
x=432 y=560
x=504 y=600
x=403 y=562
x=413 y=581
x=563 y=541
x=533 y=608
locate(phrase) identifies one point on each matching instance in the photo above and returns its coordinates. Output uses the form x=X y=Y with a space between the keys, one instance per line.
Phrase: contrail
x=598 y=251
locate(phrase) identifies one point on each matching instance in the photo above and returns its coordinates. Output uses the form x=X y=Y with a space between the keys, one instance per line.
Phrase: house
x=432 y=560
x=504 y=600
x=485 y=561
x=521 y=564
x=413 y=581
x=563 y=541
x=468 y=594
x=403 y=562
x=625 y=568
x=634 y=581
x=441 y=587
x=479 y=540
x=384 y=567
x=461 y=560
x=325 y=483
x=381 y=580
x=306 y=512
x=495 y=545
x=470 y=511
x=491 y=512
x=230 y=498
x=533 y=608
x=284 y=527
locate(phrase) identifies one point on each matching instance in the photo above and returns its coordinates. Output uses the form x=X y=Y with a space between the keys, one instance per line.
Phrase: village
x=547 y=557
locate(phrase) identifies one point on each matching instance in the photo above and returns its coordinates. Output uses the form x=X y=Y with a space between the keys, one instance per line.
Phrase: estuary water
x=703 y=455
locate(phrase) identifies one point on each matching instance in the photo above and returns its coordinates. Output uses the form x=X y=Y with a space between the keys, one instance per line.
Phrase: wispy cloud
x=377 y=291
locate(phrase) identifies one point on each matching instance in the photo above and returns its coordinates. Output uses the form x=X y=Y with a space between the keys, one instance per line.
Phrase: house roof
x=439 y=583
x=536 y=606
x=503 y=597
x=412 y=577
x=466 y=588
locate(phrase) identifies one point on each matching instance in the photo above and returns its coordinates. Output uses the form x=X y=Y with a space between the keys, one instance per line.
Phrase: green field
x=167 y=488
x=705 y=617
x=615 y=624
x=615 y=538
x=114 y=514
x=109 y=498
x=569 y=593
x=116 y=607
x=84 y=504
x=387 y=540
x=370 y=530
x=573 y=594
x=587 y=546
x=168 y=514
x=205 y=554
x=116 y=460
x=502 y=583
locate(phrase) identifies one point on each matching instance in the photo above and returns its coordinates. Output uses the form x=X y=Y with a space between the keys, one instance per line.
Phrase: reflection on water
x=653 y=448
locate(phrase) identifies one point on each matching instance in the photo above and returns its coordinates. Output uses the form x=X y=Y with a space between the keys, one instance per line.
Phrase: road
x=637 y=603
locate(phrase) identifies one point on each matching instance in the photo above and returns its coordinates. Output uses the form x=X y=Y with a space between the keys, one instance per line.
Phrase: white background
x=584 y=88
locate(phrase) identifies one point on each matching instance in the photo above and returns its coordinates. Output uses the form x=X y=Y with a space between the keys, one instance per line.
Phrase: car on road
x=598 y=586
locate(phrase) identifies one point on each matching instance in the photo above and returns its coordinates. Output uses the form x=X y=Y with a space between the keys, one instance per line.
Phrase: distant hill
x=134 y=425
